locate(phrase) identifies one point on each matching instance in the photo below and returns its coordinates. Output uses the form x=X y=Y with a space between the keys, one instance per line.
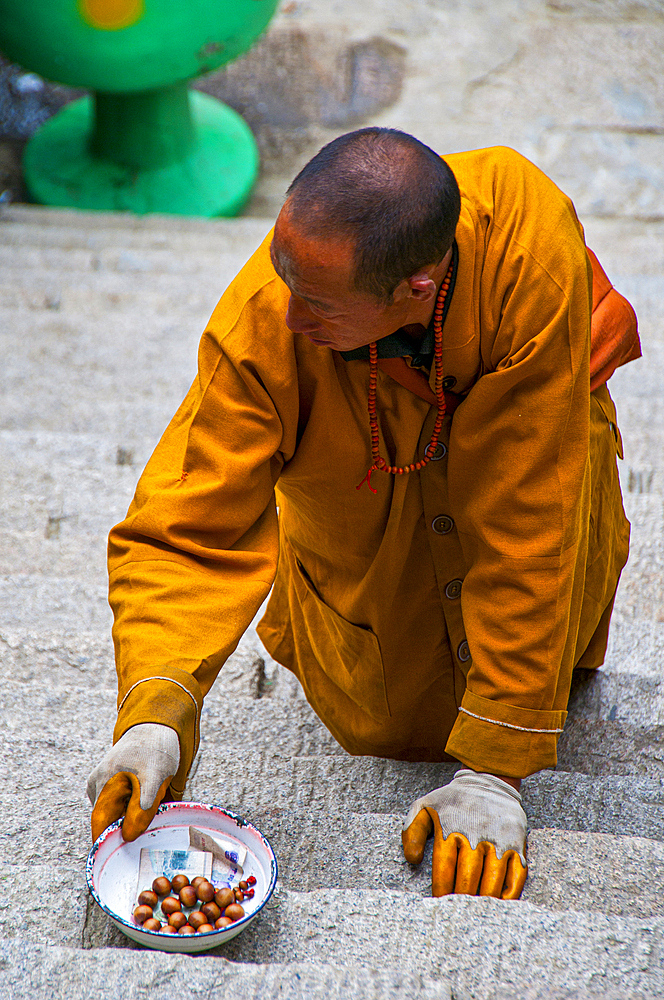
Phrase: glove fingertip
x=515 y=878
x=444 y=864
x=138 y=819
x=415 y=836
x=111 y=803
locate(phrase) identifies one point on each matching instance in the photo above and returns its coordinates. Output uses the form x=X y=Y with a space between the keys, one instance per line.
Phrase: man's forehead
x=298 y=248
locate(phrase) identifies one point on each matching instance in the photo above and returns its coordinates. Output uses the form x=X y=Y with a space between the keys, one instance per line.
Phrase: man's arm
x=519 y=485
x=196 y=555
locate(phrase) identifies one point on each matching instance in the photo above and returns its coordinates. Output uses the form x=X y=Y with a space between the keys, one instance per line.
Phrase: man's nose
x=299 y=318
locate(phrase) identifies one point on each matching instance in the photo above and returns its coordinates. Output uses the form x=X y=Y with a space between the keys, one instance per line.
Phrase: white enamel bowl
x=112 y=870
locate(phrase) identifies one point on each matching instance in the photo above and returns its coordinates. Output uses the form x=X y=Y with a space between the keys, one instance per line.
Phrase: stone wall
x=576 y=85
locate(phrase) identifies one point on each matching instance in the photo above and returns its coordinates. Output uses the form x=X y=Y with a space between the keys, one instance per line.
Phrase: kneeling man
x=412 y=369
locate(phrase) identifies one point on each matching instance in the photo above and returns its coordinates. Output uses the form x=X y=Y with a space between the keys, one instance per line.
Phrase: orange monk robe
x=443 y=615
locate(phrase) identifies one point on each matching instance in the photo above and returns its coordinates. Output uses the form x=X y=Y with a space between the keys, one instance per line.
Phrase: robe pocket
x=319 y=639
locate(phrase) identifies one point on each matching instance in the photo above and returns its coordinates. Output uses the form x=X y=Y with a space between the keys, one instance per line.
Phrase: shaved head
x=393 y=199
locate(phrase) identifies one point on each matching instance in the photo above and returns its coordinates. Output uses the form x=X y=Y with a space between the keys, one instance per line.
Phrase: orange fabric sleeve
x=197 y=553
x=614 y=336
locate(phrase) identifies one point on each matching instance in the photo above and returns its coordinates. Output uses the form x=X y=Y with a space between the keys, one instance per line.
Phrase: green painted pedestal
x=167 y=150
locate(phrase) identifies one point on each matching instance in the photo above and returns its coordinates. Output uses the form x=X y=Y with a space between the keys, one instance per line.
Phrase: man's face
x=323 y=304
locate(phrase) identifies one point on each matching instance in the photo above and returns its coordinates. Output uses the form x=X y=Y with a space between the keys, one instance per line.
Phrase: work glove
x=132 y=779
x=479 y=829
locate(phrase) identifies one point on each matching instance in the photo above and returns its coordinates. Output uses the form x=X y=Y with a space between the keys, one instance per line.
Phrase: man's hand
x=479 y=829
x=132 y=779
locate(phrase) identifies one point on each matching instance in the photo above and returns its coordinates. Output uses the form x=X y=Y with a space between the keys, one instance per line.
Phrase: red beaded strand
x=379 y=463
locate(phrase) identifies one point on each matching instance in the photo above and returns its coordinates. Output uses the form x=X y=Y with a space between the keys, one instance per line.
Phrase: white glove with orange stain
x=132 y=779
x=479 y=829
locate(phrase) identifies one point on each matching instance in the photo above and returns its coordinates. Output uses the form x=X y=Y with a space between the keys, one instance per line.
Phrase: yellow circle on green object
x=111 y=15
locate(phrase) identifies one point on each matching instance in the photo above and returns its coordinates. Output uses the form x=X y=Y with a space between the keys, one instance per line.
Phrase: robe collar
x=418 y=353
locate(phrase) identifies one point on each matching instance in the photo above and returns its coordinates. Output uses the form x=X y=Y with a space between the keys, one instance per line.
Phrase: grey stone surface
x=68 y=228
x=519 y=943
x=72 y=447
x=522 y=947
x=352 y=925
x=605 y=874
x=58 y=657
x=44 y=602
x=607 y=747
x=563 y=800
x=642 y=377
x=245 y=710
x=601 y=695
x=39 y=969
x=70 y=366
x=635 y=646
x=55 y=663
x=568 y=870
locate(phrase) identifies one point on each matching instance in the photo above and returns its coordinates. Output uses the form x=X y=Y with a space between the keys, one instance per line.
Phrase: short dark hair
x=392 y=196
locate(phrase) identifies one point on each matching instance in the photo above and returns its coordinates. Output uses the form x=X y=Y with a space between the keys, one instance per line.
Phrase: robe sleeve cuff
x=168 y=696
x=496 y=738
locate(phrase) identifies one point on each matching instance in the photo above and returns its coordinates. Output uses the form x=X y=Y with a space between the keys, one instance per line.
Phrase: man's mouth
x=317 y=341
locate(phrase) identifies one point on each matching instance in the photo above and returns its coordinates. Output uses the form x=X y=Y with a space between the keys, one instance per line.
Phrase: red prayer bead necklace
x=379 y=463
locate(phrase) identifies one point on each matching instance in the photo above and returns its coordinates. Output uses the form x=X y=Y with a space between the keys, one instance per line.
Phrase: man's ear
x=422 y=287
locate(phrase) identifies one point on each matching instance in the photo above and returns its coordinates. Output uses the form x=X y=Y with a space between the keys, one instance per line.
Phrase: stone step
x=67 y=540
x=542 y=951
x=74 y=368
x=604 y=695
x=57 y=973
x=624 y=245
x=111 y=294
x=83 y=379
x=44 y=221
x=350 y=857
x=117 y=279
x=614 y=728
x=52 y=638
x=530 y=945
x=633 y=700
x=616 y=876
x=126 y=248
x=59 y=641
x=54 y=558
x=642 y=377
x=52 y=465
x=83 y=662
x=89 y=480
x=640 y=421
x=47 y=771
x=636 y=273
x=41 y=604
x=607 y=747
x=206 y=269
x=636 y=645
x=254 y=781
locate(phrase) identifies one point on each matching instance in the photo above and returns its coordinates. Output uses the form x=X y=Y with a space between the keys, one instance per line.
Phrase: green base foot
x=214 y=177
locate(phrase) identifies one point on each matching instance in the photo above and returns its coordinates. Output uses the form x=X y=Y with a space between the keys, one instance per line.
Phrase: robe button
x=442 y=524
x=453 y=589
x=449 y=382
x=435 y=454
x=463 y=652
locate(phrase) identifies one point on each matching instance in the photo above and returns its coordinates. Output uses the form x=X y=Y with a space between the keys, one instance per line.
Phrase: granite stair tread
x=100 y=316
